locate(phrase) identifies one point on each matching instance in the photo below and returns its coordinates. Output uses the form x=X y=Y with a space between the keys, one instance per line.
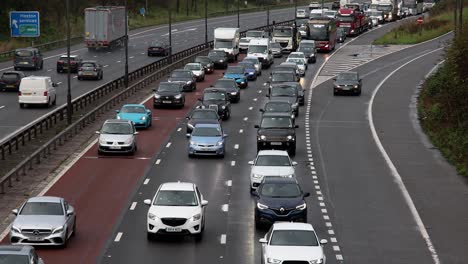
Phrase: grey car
x=90 y=69
x=28 y=58
x=117 y=136
x=43 y=220
x=276 y=50
x=347 y=82
x=16 y=254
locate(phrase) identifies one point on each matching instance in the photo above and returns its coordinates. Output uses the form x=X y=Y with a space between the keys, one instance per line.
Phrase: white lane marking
x=223 y=239
x=118 y=61
x=105 y=66
x=157 y=161
x=146 y=181
x=322 y=204
x=236 y=146
x=179 y=129
x=74 y=77
x=233 y=163
x=225 y=207
x=142 y=53
x=250 y=108
x=328 y=224
x=331 y=232
x=324 y=211
x=246 y=118
x=320 y=198
x=168 y=145
x=132 y=207
x=229 y=183
x=333 y=240
x=326 y=217
x=336 y=248
x=2 y=106
x=393 y=169
x=131 y=57
x=118 y=237
x=241 y=131
x=255 y=99
x=49 y=70
x=339 y=257
x=317 y=187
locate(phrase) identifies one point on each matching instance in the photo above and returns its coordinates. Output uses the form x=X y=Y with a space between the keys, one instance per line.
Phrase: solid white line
x=146 y=181
x=333 y=240
x=394 y=171
x=225 y=207
x=132 y=207
x=223 y=239
x=168 y=145
x=118 y=237
x=157 y=161
x=241 y=131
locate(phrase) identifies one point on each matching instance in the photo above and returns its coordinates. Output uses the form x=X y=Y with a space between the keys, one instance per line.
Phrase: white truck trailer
x=104 y=27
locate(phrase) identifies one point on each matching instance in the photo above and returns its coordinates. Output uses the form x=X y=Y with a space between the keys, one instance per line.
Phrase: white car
x=270 y=163
x=300 y=64
x=287 y=242
x=298 y=54
x=176 y=208
x=197 y=70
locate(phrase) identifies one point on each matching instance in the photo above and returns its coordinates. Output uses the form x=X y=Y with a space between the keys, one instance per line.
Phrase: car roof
x=138 y=105
x=280 y=179
x=292 y=226
x=89 y=61
x=287 y=64
x=204 y=109
x=15 y=249
x=181 y=70
x=296 y=53
x=32 y=77
x=277 y=102
x=251 y=58
x=282 y=71
x=193 y=63
x=30 y=49
x=285 y=84
x=121 y=121
x=177 y=186
x=211 y=124
x=214 y=90
x=273 y=153
x=47 y=199
x=276 y=114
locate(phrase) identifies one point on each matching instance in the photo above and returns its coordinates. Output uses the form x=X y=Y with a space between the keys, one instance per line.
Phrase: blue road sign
x=24 y=24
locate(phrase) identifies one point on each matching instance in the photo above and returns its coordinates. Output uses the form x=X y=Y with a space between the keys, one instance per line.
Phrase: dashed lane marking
x=339 y=257
x=225 y=208
x=157 y=161
x=236 y=146
x=223 y=239
x=336 y=248
x=241 y=131
x=179 y=129
x=333 y=240
x=146 y=181
x=229 y=183
x=105 y=66
x=132 y=207
x=2 y=106
x=118 y=237
x=168 y=145
x=233 y=163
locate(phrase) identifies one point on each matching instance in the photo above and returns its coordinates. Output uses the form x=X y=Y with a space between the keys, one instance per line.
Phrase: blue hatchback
x=137 y=113
x=280 y=199
x=207 y=139
x=237 y=73
x=250 y=70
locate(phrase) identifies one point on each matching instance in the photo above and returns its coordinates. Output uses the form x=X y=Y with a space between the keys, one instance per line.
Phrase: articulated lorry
x=104 y=27
x=389 y=7
x=352 y=21
x=287 y=36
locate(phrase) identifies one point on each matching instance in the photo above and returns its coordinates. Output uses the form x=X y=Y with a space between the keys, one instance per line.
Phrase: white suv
x=177 y=208
x=270 y=163
x=292 y=242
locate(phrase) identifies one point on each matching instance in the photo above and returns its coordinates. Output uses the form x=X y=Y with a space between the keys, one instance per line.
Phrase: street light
x=126 y=46
x=69 y=103
x=206 y=23
x=238 y=11
x=170 y=35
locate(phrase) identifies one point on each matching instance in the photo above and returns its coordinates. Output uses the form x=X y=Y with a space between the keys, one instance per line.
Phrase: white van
x=260 y=48
x=37 y=90
x=227 y=39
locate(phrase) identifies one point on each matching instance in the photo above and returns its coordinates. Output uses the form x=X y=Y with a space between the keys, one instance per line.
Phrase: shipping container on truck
x=104 y=27
x=351 y=20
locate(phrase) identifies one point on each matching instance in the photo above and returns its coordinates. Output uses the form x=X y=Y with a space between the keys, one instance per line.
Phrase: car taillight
x=72 y=62
x=19 y=93
x=46 y=93
x=59 y=62
x=34 y=59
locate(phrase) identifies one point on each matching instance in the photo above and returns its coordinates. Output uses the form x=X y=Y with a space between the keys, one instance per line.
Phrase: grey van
x=30 y=58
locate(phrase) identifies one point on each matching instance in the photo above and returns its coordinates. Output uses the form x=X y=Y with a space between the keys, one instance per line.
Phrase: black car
x=335 y=5
x=18 y=254
x=169 y=94
x=202 y=116
x=299 y=89
x=310 y=52
x=347 y=82
x=285 y=92
x=231 y=88
x=219 y=58
x=11 y=80
x=280 y=199
x=75 y=63
x=159 y=48
x=278 y=107
x=286 y=66
x=281 y=77
x=206 y=62
x=218 y=99
x=277 y=131
x=184 y=76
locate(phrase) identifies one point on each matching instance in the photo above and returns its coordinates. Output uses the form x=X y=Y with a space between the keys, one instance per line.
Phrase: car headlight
x=261 y=206
x=143 y=118
x=189 y=82
x=223 y=107
x=273 y=261
x=152 y=216
x=257 y=175
x=262 y=137
x=251 y=73
x=118 y=117
x=16 y=229
x=301 y=206
x=129 y=140
x=234 y=93
x=196 y=217
x=178 y=96
x=290 y=137
x=57 y=230
x=295 y=105
x=312 y=55
x=355 y=86
x=317 y=261
x=157 y=96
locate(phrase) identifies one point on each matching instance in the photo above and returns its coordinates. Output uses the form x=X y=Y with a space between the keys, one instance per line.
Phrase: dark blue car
x=250 y=70
x=280 y=199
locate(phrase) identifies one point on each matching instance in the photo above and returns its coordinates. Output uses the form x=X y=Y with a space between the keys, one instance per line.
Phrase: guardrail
x=149 y=73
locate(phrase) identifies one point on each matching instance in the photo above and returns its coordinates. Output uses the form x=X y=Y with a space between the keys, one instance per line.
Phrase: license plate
x=88 y=74
x=114 y=147
x=24 y=62
x=173 y=229
x=167 y=102
x=10 y=86
x=26 y=93
x=276 y=143
x=345 y=88
x=36 y=238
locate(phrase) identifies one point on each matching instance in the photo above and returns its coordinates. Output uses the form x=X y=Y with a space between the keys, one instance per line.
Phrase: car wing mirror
x=294 y=163
x=256 y=126
x=204 y=203
x=323 y=241
x=70 y=212
x=97 y=132
x=263 y=240
x=147 y=201
x=251 y=162
x=136 y=133
x=296 y=126
x=154 y=90
x=14 y=211
x=225 y=135
x=188 y=135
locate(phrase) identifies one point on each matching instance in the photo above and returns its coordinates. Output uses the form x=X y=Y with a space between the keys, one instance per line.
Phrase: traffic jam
x=287 y=53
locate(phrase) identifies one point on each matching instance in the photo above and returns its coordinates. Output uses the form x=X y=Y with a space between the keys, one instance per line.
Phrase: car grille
x=285 y=211
x=206 y=146
x=36 y=232
x=167 y=97
x=213 y=106
x=275 y=138
x=173 y=221
x=295 y=262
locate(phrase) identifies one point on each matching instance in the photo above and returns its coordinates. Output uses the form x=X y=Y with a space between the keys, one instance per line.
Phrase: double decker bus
x=323 y=32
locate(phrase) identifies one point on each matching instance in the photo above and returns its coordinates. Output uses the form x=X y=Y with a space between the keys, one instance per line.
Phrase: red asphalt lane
x=99 y=187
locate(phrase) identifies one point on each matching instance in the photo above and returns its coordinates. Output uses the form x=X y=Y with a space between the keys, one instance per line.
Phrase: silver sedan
x=43 y=220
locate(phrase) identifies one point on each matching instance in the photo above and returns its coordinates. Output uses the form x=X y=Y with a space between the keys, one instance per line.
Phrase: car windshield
x=277 y=107
x=87 y=65
x=157 y=44
x=272 y=160
x=14 y=259
x=283 y=77
x=223 y=44
x=254 y=34
x=169 y=87
x=117 y=128
x=202 y=59
x=296 y=55
x=283 y=91
x=214 y=96
x=305 y=238
x=280 y=190
x=247 y=65
x=283 y=32
x=346 y=77
x=235 y=70
x=42 y=208
x=192 y=67
x=206 y=132
x=181 y=74
x=345 y=18
x=133 y=109
x=253 y=60
x=217 y=53
x=10 y=76
x=330 y=13
x=258 y=49
x=276 y=122
x=308 y=48
x=275 y=45
x=385 y=8
x=318 y=32
x=204 y=115
x=225 y=83
x=176 y=198
x=296 y=60
x=23 y=53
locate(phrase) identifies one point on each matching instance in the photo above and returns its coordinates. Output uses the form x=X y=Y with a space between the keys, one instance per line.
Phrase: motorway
x=184 y=35
x=370 y=172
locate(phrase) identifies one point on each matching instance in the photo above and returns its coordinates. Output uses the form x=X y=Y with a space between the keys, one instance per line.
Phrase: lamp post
x=170 y=35
x=206 y=23
x=238 y=11
x=69 y=103
x=126 y=46
x=295 y=8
